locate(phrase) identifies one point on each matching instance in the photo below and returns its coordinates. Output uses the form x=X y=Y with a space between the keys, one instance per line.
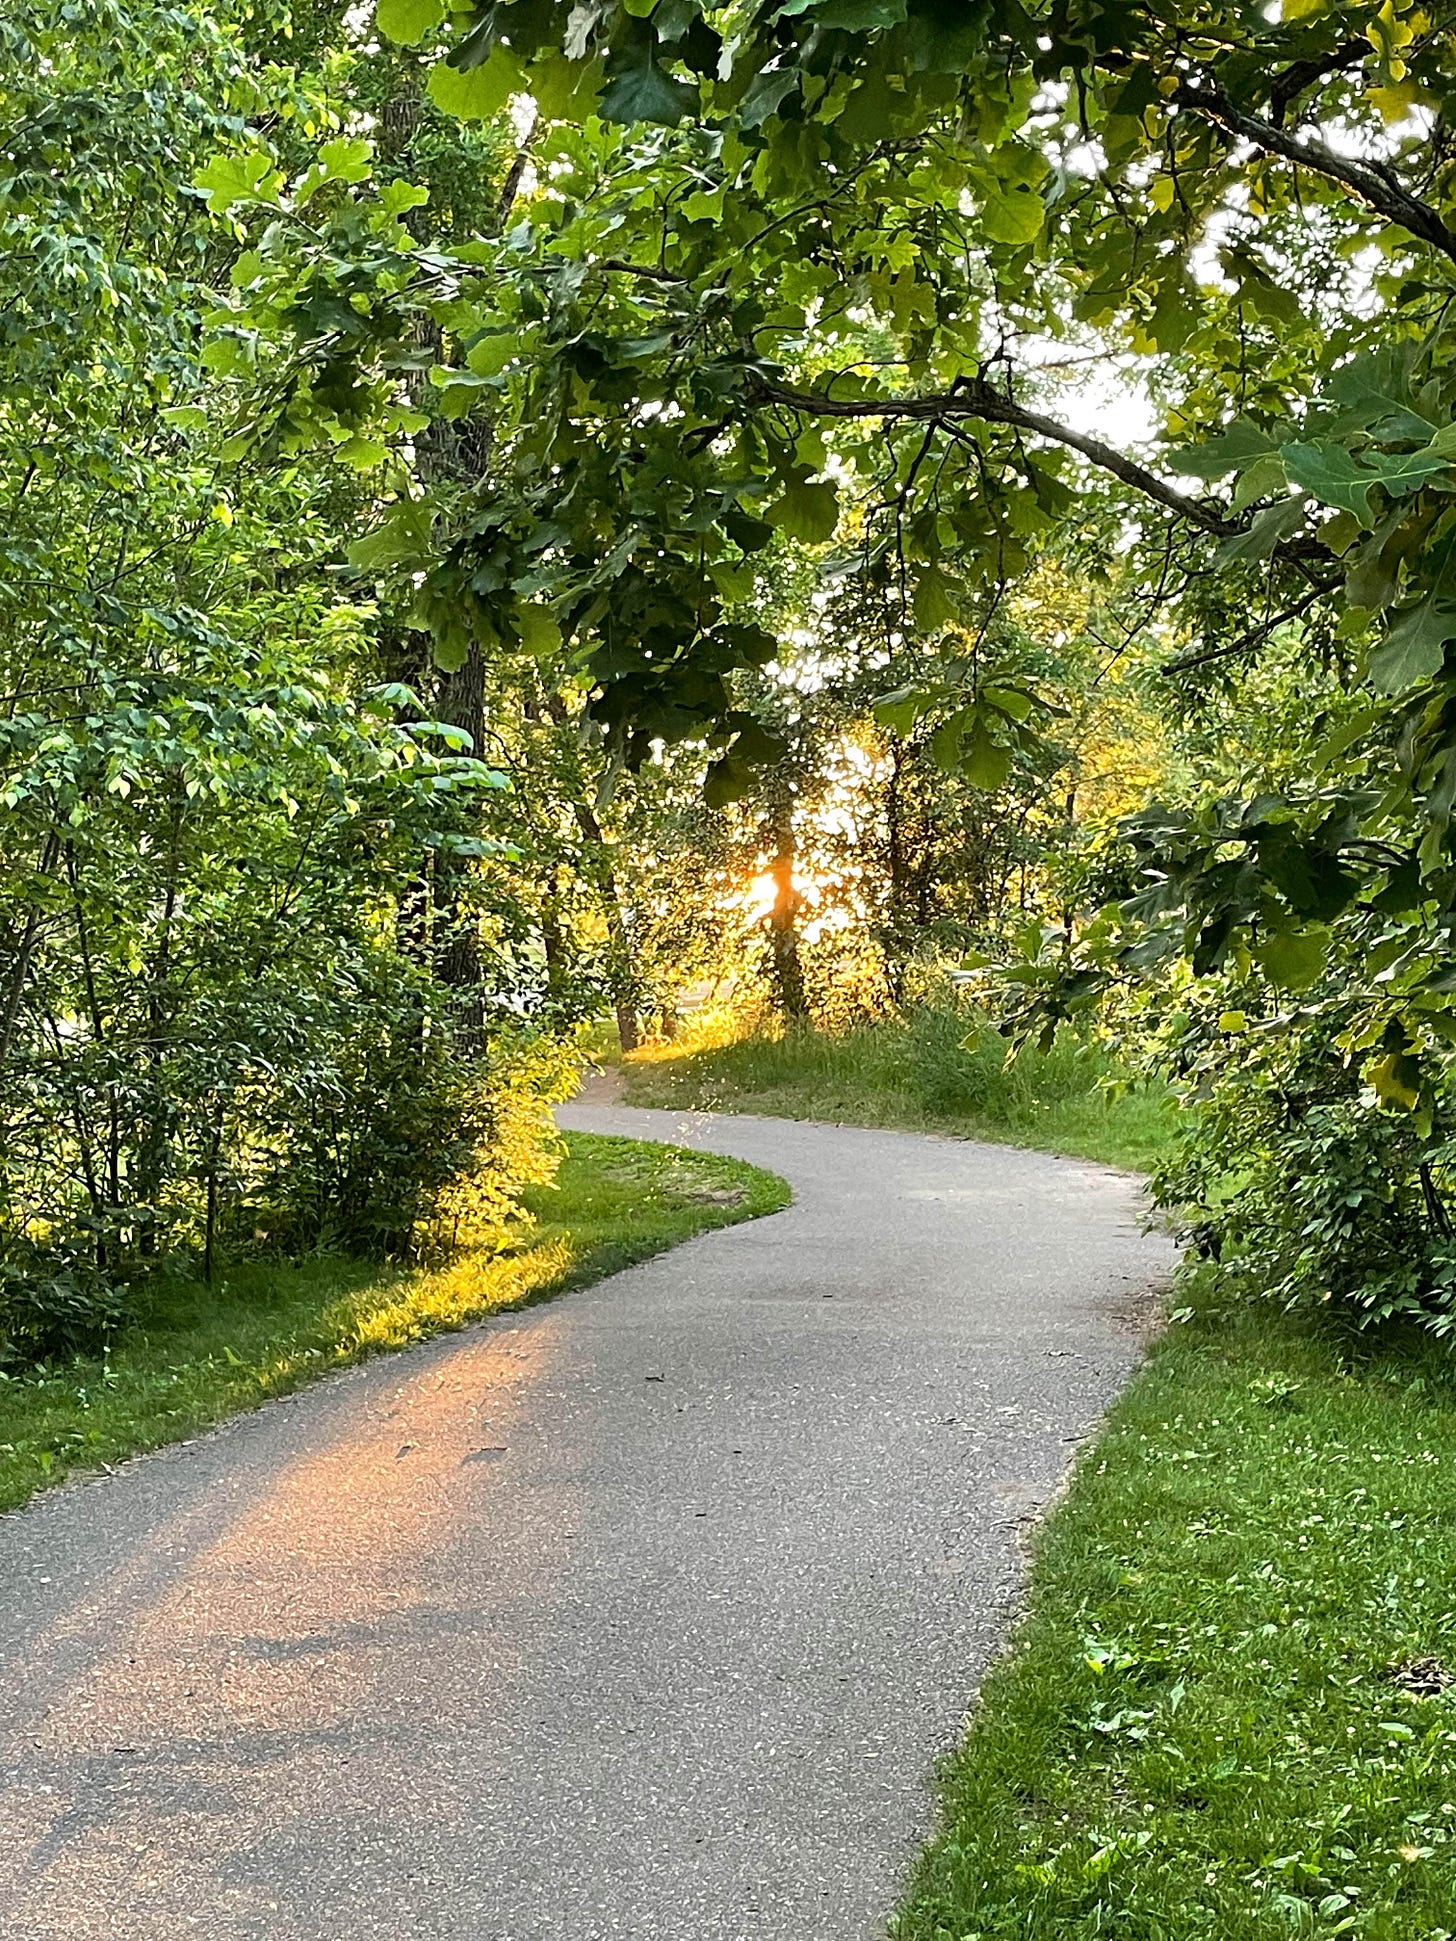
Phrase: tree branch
x=1254 y=635
x=649 y=270
x=1369 y=182
x=977 y=399
x=1300 y=75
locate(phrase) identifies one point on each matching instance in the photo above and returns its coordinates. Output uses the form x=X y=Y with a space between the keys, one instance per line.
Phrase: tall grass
x=939 y=1067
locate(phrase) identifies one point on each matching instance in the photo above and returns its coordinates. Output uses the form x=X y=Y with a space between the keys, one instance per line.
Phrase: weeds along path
x=644 y=1614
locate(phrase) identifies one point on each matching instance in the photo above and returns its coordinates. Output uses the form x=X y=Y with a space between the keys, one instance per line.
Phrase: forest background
x=519 y=513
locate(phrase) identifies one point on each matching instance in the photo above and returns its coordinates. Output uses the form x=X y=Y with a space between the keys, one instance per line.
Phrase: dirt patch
x=1141 y=1311
x=604 y=1087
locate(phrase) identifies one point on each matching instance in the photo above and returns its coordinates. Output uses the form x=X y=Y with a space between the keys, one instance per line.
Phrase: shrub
x=1304 y=1190
x=52 y=1303
x=406 y=1140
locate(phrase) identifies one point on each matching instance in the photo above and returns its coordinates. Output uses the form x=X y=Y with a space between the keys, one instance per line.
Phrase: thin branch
x=649 y=270
x=1254 y=635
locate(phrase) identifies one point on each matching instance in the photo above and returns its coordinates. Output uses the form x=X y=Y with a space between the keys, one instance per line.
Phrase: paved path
x=643 y=1614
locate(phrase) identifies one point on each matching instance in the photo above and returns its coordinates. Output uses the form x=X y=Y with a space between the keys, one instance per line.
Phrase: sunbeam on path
x=641 y=1615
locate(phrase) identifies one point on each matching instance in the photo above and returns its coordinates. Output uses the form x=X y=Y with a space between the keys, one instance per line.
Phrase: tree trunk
x=893 y=935
x=621 y=965
x=786 y=969
x=462 y=704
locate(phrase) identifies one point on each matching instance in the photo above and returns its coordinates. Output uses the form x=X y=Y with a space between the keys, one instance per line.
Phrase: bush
x=1302 y=1189
x=52 y=1304
x=406 y=1141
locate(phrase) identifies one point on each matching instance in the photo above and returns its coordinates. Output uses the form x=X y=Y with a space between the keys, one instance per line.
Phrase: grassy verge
x=1228 y=1715
x=934 y=1071
x=202 y=1354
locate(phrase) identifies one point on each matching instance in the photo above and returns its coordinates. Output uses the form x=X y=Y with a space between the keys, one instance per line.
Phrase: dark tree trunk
x=786 y=969
x=621 y=964
x=19 y=969
x=462 y=704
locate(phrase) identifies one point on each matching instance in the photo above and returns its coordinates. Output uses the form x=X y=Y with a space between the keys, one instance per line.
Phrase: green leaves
x=1339 y=477
x=476 y=93
x=1332 y=474
x=984 y=761
x=1017 y=216
x=408 y=21
x=933 y=606
x=231 y=179
x=1415 y=647
x=1293 y=959
x=638 y=88
x=538 y=629
x=401 y=539
x=1239 y=446
x=807 y=510
x=859 y=16
x=1265 y=533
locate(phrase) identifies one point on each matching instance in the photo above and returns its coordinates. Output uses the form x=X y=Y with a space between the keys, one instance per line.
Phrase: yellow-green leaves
x=537 y=628
x=1015 y=216
x=477 y=93
x=346 y=160
x=231 y=179
x=1293 y=959
x=408 y=21
x=1397 y=1080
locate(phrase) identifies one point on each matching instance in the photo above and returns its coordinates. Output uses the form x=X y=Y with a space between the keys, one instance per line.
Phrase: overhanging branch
x=977 y=399
x=1368 y=182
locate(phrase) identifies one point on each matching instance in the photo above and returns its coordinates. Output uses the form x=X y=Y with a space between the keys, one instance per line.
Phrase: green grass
x=201 y=1354
x=919 y=1073
x=1204 y=1731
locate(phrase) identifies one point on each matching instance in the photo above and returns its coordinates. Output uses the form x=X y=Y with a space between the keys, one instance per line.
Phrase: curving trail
x=644 y=1614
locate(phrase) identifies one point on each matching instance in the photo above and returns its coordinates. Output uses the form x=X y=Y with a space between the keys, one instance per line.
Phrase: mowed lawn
x=1230 y=1714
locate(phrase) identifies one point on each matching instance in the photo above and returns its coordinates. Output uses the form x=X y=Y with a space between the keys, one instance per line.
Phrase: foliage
x=52 y=1302
x=1293 y=1176
x=222 y=1012
x=793 y=276
x=633 y=381
x=1229 y=1711
x=194 y=1355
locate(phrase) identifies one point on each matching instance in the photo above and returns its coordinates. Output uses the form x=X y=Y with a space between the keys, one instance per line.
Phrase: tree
x=215 y=1027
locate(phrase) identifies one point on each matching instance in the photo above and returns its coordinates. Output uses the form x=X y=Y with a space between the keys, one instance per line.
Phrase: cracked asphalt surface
x=641 y=1614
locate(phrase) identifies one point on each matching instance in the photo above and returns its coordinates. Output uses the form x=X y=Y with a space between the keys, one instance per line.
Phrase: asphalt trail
x=642 y=1614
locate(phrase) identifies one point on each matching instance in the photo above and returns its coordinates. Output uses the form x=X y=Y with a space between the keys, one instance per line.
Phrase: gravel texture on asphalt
x=641 y=1614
